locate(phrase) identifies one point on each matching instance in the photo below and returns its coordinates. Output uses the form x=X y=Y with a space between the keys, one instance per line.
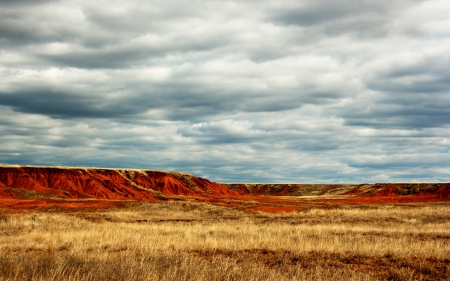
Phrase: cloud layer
x=236 y=91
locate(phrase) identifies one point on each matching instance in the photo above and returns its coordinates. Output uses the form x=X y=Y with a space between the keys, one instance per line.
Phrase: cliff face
x=115 y=184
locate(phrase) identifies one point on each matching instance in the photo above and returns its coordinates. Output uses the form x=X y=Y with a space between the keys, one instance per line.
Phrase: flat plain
x=185 y=239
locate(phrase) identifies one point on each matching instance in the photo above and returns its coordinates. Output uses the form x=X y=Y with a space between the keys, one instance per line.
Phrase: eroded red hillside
x=5 y=192
x=114 y=184
x=36 y=187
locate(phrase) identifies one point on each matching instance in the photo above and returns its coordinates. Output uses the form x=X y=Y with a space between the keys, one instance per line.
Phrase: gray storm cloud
x=246 y=91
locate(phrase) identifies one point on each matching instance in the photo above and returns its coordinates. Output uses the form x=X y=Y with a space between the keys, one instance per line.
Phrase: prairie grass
x=197 y=241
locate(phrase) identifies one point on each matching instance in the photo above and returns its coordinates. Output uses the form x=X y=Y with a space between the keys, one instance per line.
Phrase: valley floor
x=187 y=239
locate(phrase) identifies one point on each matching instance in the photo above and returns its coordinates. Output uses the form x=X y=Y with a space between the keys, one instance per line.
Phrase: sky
x=323 y=91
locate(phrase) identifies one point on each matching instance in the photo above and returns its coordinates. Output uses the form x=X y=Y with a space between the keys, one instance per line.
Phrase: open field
x=191 y=240
x=63 y=223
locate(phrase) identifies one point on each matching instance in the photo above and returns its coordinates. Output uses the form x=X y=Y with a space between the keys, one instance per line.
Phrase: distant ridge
x=438 y=190
x=20 y=183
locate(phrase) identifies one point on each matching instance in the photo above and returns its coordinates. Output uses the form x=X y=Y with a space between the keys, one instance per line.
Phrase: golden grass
x=197 y=241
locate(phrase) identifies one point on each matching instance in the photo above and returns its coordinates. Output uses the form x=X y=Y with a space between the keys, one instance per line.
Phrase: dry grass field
x=190 y=240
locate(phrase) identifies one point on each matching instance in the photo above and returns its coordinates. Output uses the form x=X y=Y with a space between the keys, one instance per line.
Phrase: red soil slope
x=387 y=191
x=5 y=192
x=114 y=184
x=43 y=203
x=443 y=192
x=36 y=187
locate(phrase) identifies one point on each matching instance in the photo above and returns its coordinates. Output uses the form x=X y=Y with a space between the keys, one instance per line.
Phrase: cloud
x=290 y=91
x=310 y=13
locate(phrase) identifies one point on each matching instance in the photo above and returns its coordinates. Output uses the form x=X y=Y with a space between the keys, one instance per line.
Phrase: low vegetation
x=189 y=240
